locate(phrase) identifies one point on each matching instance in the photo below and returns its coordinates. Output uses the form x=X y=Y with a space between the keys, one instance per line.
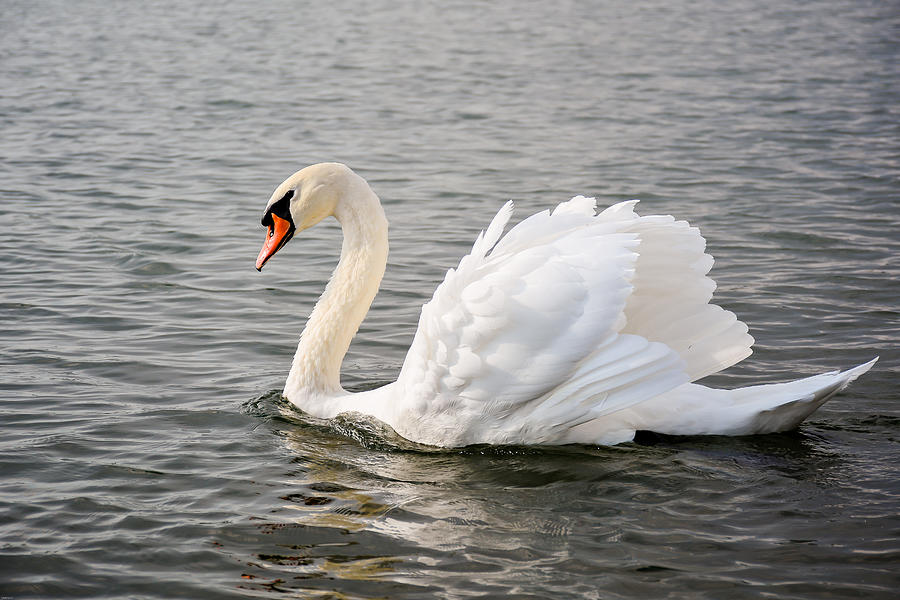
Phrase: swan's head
x=301 y=201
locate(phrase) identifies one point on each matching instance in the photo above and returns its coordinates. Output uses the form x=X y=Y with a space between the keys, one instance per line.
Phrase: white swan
x=574 y=327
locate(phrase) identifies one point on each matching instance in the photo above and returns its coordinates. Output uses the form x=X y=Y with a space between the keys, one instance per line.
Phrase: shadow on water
x=795 y=454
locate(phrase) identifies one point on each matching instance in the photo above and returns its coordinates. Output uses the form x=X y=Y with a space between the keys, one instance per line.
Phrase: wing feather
x=672 y=291
x=515 y=331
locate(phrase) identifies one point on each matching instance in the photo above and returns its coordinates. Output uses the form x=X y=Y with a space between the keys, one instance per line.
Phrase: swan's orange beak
x=278 y=234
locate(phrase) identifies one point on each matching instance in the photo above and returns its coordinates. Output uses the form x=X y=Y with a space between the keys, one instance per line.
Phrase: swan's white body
x=574 y=327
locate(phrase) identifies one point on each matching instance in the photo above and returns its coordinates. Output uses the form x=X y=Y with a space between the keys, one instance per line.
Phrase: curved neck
x=316 y=368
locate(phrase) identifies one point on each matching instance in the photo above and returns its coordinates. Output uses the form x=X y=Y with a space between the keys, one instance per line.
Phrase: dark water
x=144 y=448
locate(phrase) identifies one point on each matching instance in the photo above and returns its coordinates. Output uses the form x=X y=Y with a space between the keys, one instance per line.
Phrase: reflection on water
x=480 y=517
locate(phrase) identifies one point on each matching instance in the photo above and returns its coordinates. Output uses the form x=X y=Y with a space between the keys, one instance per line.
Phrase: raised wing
x=522 y=340
x=672 y=291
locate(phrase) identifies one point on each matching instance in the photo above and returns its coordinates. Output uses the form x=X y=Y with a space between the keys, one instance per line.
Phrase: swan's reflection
x=442 y=500
x=360 y=504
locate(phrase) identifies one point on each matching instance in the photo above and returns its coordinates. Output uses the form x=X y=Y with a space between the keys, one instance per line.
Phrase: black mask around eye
x=282 y=209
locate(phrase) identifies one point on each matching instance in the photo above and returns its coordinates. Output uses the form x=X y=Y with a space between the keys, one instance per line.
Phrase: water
x=145 y=451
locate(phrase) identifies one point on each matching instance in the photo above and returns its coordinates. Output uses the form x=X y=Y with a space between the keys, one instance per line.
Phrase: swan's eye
x=282 y=208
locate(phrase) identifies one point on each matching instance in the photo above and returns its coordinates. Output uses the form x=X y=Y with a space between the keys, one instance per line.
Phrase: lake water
x=145 y=451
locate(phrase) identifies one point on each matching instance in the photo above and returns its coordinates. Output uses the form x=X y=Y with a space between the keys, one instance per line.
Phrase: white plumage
x=574 y=327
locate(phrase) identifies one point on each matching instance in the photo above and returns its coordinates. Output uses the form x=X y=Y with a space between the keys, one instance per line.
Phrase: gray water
x=145 y=451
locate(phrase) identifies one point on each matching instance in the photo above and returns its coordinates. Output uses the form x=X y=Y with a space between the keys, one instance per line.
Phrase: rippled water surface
x=145 y=451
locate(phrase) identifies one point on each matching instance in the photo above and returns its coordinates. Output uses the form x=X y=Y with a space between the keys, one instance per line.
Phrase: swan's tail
x=751 y=410
x=803 y=397
x=692 y=409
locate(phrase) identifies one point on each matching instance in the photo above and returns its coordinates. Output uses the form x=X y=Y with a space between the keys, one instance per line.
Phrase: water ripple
x=146 y=450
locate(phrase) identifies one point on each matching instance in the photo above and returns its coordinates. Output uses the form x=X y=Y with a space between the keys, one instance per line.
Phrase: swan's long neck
x=315 y=372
